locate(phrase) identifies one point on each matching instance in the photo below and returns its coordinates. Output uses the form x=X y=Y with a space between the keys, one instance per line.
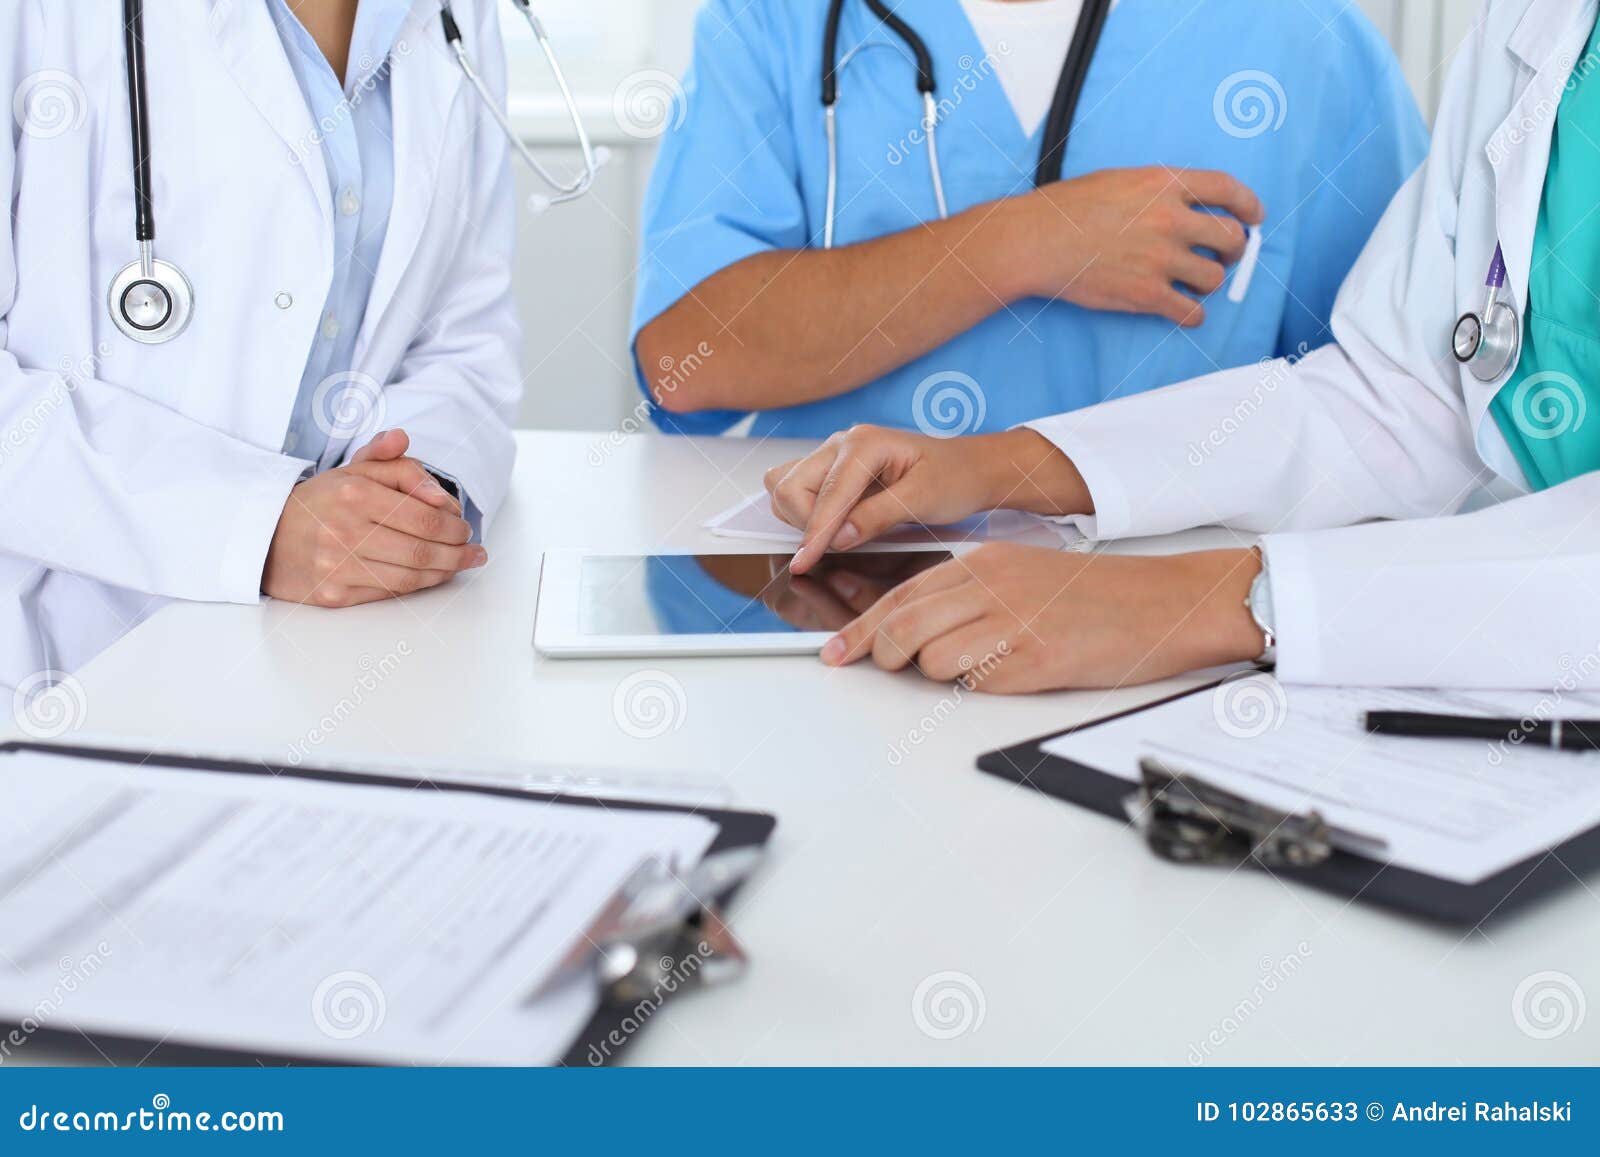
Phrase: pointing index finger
x=838 y=495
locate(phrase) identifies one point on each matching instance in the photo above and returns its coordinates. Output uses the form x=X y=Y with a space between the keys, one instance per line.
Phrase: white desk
x=1084 y=947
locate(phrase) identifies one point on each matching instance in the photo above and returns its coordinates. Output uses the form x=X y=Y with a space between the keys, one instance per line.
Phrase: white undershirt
x=1028 y=41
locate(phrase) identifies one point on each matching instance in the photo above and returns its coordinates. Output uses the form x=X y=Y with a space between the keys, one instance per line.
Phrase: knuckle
x=432 y=524
x=421 y=554
x=348 y=490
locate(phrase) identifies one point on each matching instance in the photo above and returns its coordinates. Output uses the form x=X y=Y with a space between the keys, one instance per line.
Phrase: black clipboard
x=1403 y=890
x=737 y=829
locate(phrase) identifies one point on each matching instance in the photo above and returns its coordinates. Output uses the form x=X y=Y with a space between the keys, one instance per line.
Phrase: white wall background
x=575 y=263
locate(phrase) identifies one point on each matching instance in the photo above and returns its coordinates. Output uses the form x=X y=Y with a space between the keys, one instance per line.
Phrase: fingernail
x=477 y=556
x=847 y=537
x=846 y=586
x=833 y=652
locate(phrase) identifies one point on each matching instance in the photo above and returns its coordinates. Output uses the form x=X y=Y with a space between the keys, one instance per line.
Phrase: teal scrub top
x=1302 y=101
x=1549 y=410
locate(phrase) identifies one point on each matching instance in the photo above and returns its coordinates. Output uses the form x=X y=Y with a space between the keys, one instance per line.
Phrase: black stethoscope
x=151 y=301
x=1074 y=72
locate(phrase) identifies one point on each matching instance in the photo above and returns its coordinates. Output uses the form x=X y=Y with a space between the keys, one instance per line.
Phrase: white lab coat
x=136 y=474
x=1386 y=425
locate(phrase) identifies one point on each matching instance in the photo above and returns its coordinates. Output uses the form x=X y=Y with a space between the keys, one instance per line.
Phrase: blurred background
x=575 y=264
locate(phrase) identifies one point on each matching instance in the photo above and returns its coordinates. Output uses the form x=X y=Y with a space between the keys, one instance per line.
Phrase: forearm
x=796 y=326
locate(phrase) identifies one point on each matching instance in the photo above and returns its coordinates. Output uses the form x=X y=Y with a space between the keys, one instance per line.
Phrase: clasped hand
x=380 y=527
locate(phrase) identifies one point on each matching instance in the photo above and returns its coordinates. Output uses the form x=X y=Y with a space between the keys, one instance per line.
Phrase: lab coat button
x=283 y=300
x=349 y=203
x=330 y=327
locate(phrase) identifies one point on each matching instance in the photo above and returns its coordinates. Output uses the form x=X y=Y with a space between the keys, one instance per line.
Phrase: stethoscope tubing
x=144 y=226
x=564 y=191
x=1058 y=127
x=151 y=301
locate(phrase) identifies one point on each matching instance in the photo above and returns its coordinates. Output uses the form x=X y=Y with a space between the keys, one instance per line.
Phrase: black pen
x=1561 y=734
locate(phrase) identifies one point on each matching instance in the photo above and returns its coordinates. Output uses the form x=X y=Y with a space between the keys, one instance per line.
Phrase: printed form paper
x=753 y=519
x=1457 y=809
x=305 y=918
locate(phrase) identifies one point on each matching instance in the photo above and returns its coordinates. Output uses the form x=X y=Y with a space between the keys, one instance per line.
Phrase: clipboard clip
x=1189 y=821
x=662 y=931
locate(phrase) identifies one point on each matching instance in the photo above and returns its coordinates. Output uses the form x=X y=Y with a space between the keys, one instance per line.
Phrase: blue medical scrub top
x=1303 y=101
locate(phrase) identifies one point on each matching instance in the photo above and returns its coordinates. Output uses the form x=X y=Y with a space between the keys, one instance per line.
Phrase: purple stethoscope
x=1488 y=343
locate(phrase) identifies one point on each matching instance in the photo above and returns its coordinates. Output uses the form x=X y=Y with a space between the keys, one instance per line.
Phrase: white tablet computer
x=609 y=605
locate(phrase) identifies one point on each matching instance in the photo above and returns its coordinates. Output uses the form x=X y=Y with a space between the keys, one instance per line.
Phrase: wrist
x=1223 y=631
x=1024 y=470
x=1001 y=237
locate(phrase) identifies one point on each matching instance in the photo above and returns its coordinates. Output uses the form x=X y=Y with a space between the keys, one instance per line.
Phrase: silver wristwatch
x=1259 y=604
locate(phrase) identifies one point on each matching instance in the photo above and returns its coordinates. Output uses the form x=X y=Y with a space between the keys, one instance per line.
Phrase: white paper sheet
x=284 y=915
x=1458 y=809
x=753 y=519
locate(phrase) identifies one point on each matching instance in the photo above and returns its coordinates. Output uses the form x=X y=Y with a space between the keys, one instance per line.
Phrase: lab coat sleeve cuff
x=469 y=509
x=1110 y=519
x=480 y=467
x=254 y=522
x=1291 y=570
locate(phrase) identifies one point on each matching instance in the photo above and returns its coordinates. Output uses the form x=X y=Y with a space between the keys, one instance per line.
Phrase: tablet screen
x=736 y=594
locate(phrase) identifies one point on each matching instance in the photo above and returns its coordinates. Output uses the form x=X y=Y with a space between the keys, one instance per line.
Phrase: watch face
x=1261 y=605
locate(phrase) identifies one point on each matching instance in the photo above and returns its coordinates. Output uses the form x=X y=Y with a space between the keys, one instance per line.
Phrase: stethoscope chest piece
x=1490 y=342
x=151 y=301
